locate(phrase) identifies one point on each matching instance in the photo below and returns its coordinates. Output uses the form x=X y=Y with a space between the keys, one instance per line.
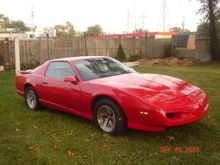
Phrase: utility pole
x=143 y=17
x=32 y=19
x=183 y=24
x=128 y=22
x=164 y=14
x=135 y=16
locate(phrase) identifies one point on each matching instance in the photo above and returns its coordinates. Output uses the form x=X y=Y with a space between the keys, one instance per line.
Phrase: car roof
x=77 y=58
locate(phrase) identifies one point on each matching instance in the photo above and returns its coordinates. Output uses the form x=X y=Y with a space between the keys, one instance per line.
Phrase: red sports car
x=113 y=95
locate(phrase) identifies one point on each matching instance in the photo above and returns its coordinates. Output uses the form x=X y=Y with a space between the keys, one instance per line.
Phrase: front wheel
x=109 y=118
x=31 y=98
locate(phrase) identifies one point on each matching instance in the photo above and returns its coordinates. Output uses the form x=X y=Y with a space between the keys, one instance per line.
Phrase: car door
x=56 y=92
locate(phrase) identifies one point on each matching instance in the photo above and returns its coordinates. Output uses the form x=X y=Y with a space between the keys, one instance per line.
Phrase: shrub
x=120 y=54
x=168 y=51
x=136 y=56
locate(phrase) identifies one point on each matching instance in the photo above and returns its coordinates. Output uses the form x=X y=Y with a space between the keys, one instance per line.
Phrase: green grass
x=52 y=137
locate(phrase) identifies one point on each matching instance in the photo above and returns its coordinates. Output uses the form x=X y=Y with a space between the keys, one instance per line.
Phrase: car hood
x=151 y=87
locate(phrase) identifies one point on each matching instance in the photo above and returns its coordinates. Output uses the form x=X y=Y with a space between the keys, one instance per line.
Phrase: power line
x=128 y=22
x=135 y=15
x=164 y=14
x=32 y=18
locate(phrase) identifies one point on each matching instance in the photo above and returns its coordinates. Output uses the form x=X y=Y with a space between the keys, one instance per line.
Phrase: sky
x=114 y=16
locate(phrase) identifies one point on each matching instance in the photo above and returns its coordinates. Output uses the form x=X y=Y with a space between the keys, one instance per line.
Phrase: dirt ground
x=170 y=61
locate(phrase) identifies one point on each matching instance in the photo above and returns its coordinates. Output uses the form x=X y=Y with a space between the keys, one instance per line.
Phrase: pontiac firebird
x=111 y=94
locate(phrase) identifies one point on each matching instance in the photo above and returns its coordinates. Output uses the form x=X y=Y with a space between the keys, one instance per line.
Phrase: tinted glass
x=59 y=70
x=100 y=67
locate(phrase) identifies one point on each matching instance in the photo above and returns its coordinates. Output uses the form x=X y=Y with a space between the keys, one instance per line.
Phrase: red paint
x=151 y=102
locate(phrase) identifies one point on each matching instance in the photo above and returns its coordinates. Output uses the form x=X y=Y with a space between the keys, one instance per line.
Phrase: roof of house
x=129 y=35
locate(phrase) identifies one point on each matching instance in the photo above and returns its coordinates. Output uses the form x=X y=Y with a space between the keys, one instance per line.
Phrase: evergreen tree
x=120 y=54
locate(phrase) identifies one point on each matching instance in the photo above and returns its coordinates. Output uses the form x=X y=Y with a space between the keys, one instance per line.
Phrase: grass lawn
x=52 y=137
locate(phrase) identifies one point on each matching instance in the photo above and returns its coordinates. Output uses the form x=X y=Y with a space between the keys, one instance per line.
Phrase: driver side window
x=59 y=70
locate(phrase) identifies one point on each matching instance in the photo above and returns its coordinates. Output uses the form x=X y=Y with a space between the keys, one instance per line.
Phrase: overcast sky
x=112 y=15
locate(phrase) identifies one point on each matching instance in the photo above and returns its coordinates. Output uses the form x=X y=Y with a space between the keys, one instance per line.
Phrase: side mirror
x=71 y=79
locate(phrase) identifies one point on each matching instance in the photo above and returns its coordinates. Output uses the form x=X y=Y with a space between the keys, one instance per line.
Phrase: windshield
x=94 y=68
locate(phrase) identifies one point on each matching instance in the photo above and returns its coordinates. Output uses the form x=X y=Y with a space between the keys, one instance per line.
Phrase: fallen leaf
x=93 y=135
x=70 y=154
x=31 y=148
x=17 y=130
x=70 y=133
x=34 y=126
x=174 y=158
x=153 y=154
x=34 y=147
x=169 y=138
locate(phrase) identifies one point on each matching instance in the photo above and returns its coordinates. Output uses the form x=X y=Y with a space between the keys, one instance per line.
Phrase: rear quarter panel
x=20 y=82
x=24 y=79
x=32 y=78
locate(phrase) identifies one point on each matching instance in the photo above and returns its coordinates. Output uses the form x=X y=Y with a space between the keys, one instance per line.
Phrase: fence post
x=85 y=38
x=17 y=56
x=48 y=48
x=145 y=45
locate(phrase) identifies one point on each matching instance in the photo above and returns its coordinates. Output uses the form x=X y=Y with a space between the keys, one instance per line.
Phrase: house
x=184 y=40
x=40 y=34
x=202 y=45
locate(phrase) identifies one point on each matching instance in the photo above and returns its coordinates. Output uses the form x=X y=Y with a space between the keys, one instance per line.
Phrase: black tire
x=32 y=103
x=109 y=117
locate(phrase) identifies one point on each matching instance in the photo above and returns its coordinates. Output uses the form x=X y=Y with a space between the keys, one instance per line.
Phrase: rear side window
x=59 y=70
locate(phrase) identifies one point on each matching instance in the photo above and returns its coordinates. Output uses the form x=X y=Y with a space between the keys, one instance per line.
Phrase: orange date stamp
x=180 y=150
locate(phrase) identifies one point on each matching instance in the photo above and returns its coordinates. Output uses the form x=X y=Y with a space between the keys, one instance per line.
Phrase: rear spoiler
x=26 y=72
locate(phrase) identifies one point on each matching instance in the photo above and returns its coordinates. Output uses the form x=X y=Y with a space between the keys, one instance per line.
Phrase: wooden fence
x=36 y=51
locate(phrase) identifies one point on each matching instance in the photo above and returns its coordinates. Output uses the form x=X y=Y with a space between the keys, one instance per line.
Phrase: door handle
x=44 y=82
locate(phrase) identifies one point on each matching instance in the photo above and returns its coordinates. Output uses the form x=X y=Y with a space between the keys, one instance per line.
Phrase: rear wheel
x=109 y=118
x=31 y=98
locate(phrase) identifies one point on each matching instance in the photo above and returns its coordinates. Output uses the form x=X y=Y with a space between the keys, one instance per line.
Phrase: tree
x=69 y=28
x=4 y=21
x=205 y=7
x=211 y=14
x=94 y=30
x=217 y=14
x=60 y=30
x=178 y=29
x=19 y=26
x=66 y=30
x=79 y=34
x=120 y=54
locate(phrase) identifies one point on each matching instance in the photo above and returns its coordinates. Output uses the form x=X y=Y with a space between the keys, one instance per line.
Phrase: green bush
x=168 y=51
x=120 y=54
x=136 y=56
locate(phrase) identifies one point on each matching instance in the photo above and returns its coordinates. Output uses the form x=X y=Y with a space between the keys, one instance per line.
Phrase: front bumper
x=181 y=111
x=190 y=115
